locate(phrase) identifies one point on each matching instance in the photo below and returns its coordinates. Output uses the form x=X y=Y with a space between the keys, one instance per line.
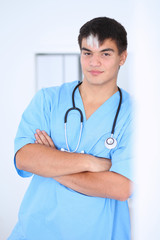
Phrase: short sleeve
x=122 y=156
x=36 y=116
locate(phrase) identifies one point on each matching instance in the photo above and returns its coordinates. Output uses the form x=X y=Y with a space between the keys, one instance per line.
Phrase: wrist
x=89 y=162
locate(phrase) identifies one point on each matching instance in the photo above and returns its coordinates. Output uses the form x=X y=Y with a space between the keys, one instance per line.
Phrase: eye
x=105 y=54
x=87 y=53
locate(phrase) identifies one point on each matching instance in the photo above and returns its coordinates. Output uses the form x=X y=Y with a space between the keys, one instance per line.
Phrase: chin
x=97 y=82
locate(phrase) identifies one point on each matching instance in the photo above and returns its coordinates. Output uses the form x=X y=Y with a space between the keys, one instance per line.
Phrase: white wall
x=147 y=77
x=28 y=27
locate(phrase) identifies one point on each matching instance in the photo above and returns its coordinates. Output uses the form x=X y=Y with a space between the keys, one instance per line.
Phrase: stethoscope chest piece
x=110 y=143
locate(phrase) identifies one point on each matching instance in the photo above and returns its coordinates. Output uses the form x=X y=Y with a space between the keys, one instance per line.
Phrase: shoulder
x=52 y=95
x=126 y=97
x=126 y=115
x=59 y=90
x=127 y=102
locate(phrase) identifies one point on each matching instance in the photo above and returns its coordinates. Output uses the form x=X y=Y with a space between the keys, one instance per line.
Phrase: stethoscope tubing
x=81 y=119
x=118 y=110
x=111 y=138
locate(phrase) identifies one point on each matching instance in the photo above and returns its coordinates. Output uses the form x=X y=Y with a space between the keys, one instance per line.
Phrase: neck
x=97 y=93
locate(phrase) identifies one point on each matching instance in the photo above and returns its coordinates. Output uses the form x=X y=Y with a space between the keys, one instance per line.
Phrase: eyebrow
x=104 y=50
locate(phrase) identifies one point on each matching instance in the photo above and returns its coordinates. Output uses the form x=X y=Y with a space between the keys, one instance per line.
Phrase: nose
x=95 y=61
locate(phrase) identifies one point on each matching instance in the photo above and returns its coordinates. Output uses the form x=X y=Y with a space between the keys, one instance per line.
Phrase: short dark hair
x=104 y=28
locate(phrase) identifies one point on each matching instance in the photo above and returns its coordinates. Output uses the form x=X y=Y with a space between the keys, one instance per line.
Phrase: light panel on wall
x=56 y=68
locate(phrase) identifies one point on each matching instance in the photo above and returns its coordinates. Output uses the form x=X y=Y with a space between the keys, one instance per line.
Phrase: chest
x=97 y=124
x=90 y=108
x=96 y=129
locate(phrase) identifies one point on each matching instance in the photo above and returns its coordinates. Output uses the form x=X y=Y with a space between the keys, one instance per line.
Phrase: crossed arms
x=83 y=173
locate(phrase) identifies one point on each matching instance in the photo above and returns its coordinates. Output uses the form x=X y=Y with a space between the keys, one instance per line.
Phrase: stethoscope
x=110 y=142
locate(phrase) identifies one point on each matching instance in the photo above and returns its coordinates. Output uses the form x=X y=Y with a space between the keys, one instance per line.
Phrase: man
x=80 y=194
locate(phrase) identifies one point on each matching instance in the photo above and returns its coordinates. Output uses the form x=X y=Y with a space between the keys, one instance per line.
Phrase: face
x=100 y=63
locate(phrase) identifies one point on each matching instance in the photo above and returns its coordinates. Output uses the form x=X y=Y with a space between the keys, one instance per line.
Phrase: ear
x=123 y=57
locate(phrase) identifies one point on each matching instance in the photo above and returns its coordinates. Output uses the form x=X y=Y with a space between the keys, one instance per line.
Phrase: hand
x=98 y=164
x=43 y=138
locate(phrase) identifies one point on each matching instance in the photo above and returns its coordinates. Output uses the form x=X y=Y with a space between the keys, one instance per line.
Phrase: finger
x=38 y=140
x=42 y=138
x=51 y=143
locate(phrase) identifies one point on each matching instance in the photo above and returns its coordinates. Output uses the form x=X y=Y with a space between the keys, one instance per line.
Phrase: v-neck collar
x=109 y=104
x=99 y=123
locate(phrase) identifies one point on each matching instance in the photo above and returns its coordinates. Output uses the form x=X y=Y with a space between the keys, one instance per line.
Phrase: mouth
x=95 y=72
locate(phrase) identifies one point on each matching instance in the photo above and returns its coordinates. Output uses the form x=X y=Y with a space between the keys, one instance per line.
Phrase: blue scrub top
x=51 y=211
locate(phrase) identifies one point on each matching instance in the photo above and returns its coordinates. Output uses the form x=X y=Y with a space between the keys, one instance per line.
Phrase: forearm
x=101 y=184
x=49 y=162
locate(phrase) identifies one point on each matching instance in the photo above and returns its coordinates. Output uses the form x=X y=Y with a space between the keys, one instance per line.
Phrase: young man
x=81 y=176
